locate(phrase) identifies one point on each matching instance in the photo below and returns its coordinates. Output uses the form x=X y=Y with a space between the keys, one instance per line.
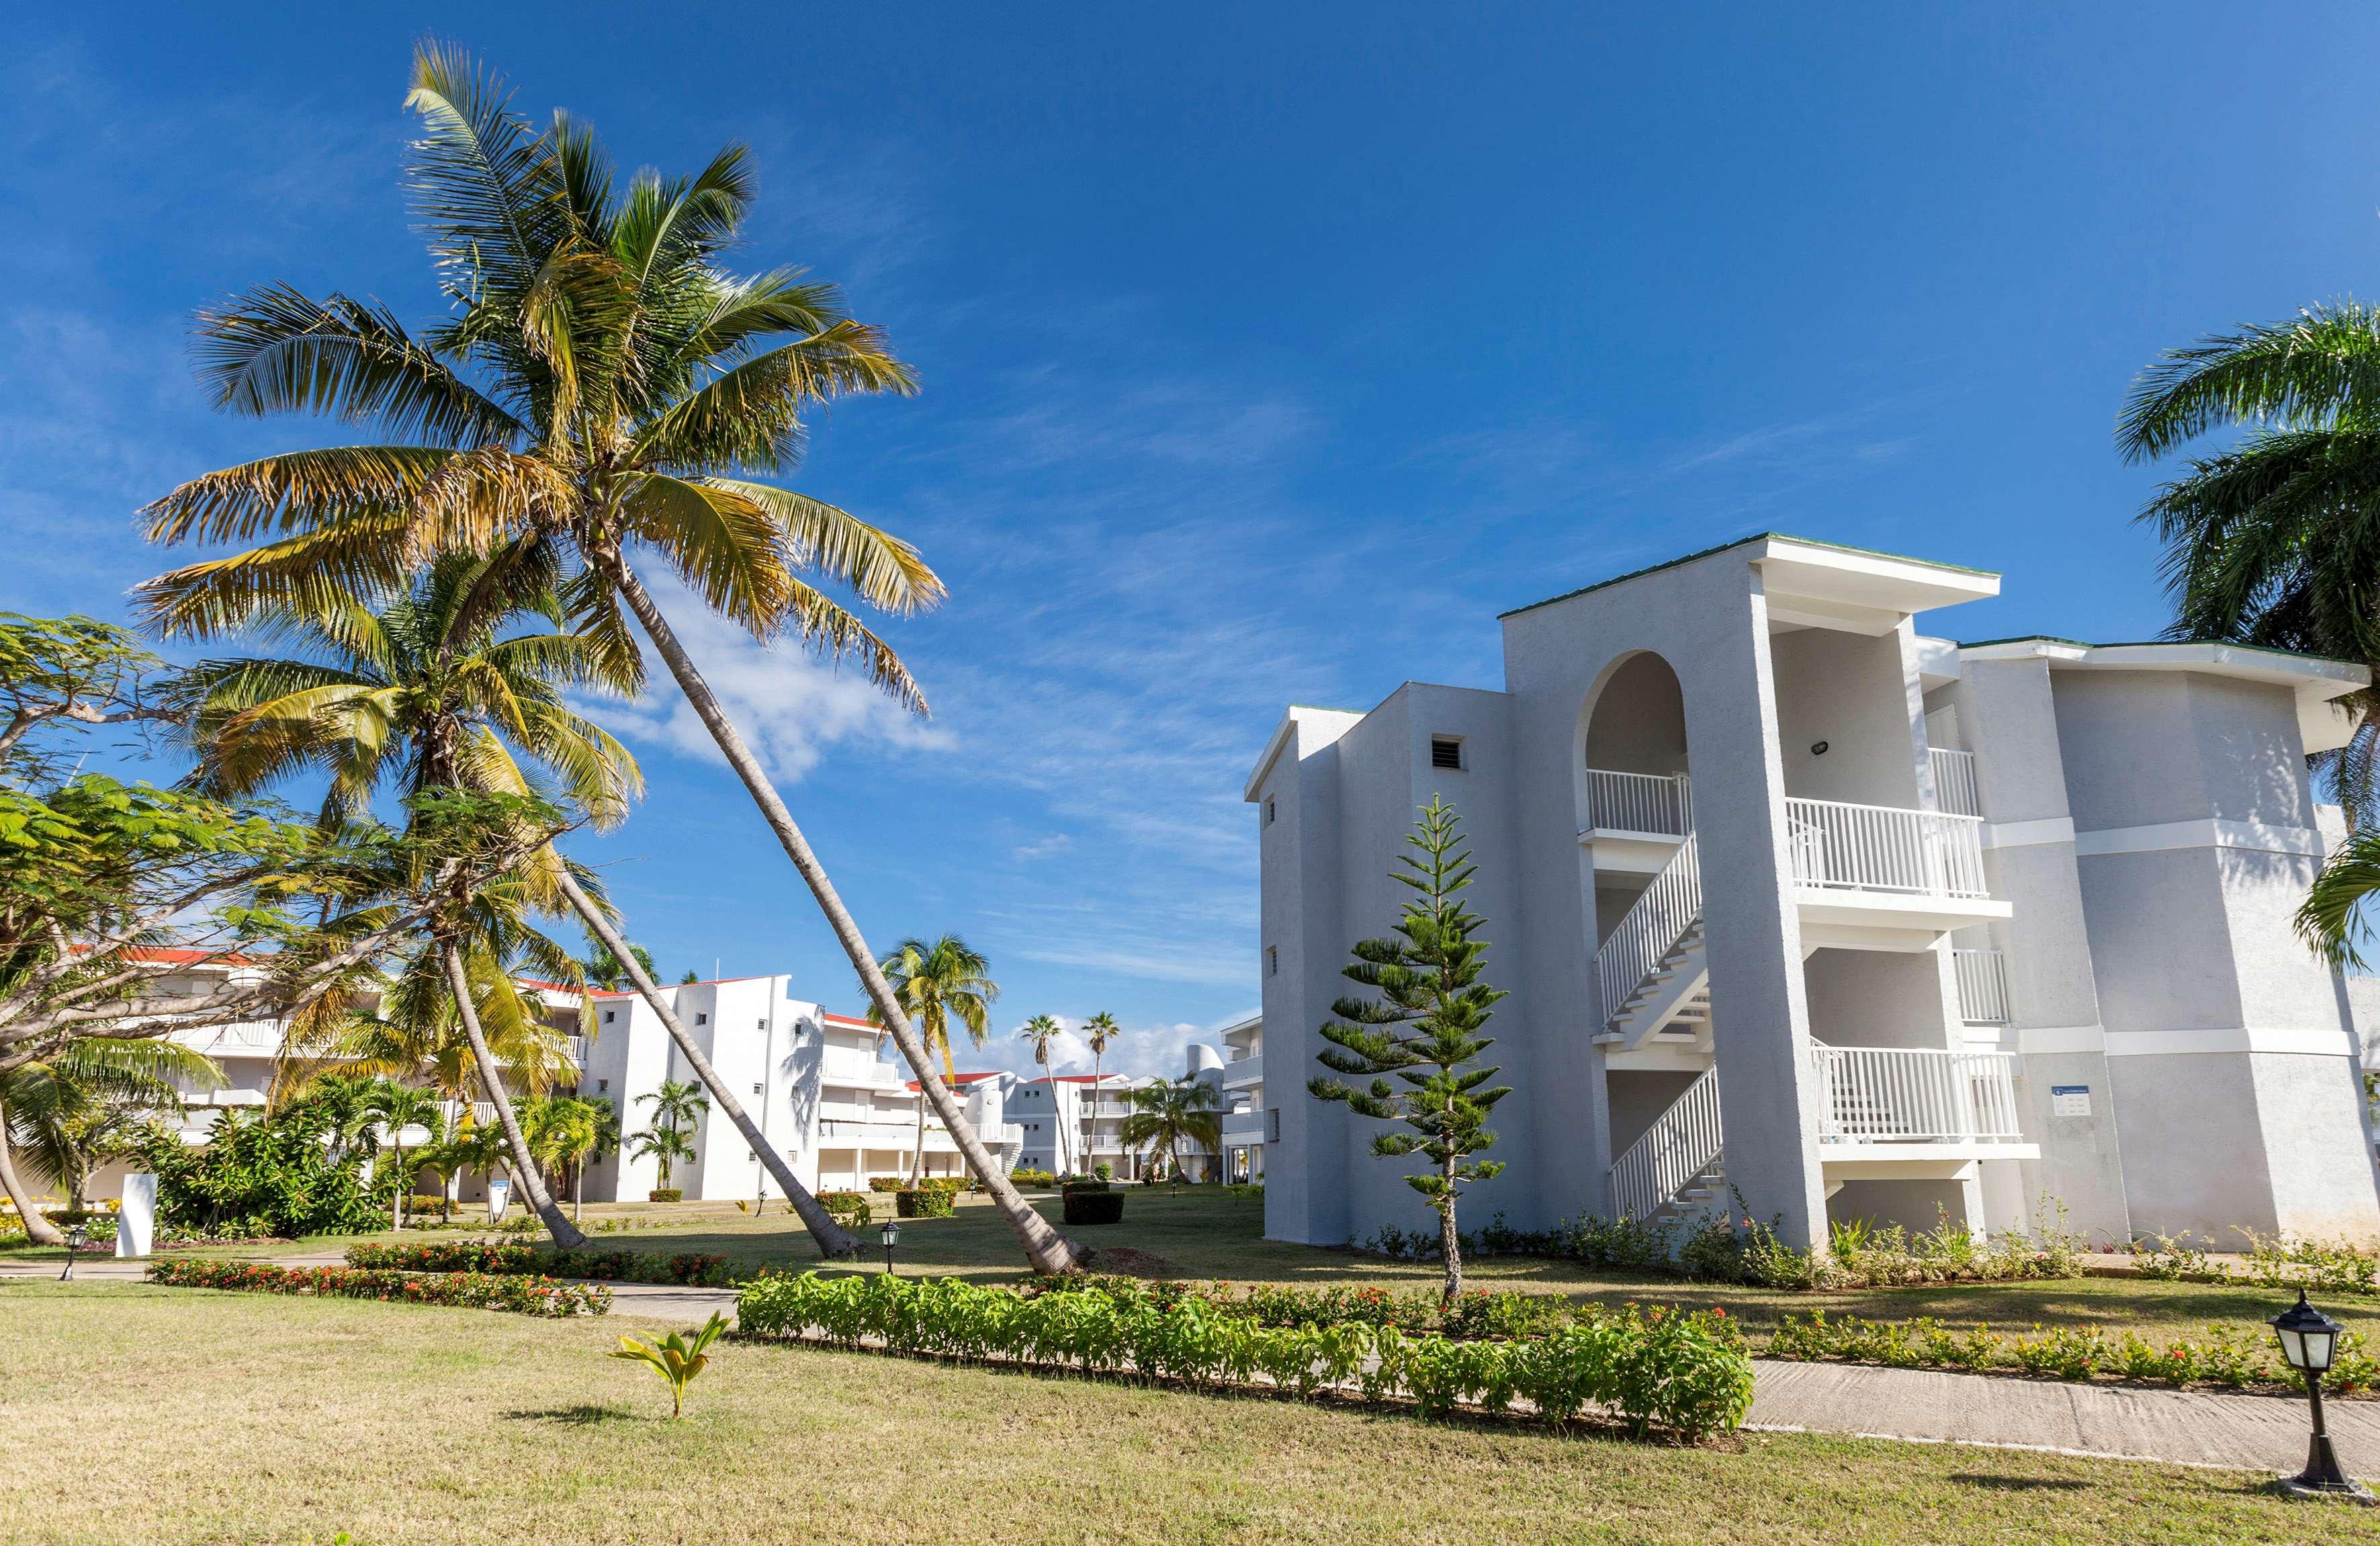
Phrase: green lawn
x=238 y=1417
x=1206 y=1235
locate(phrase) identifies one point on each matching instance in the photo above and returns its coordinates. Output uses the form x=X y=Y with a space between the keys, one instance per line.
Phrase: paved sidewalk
x=2250 y=1432
x=2247 y=1432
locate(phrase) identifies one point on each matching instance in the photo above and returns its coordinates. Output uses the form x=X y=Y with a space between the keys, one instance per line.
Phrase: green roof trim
x=1742 y=542
x=2158 y=644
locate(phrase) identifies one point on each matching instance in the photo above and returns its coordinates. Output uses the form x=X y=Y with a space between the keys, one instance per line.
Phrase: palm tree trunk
x=1049 y=1252
x=918 y=1144
x=396 y=1197
x=525 y=1175
x=833 y=1242
x=38 y=1230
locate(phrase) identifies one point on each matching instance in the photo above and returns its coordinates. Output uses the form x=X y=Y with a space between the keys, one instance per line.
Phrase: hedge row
x=2233 y=1357
x=1512 y=1314
x=525 y=1295
x=507 y=1259
x=1689 y=1374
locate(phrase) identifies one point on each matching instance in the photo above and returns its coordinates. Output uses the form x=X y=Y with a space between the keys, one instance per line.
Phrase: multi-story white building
x=1244 y=1117
x=1795 y=900
x=1068 y=1125
x=813 y=1079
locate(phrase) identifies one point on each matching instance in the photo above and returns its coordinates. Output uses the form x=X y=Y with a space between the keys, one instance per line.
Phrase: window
x=607 y=1016
x=1446 y=752
x=702 y=1019
x=764 y=1025
x=602 y=1085
x=1272 y=810
x=1273 y=1124
x=751 y=1157
x=756 y=1089
x=1272 y=960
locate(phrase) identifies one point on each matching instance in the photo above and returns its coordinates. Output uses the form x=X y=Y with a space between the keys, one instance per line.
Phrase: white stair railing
x=1659 y=803
x=1653 y=927
x=1955 y=789
x=1682 y=1143
x=1910 y=1095
x=1884 y=847
x=1983 y=986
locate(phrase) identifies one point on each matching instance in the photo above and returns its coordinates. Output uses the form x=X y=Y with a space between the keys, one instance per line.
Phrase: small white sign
x=499 y=1192
x=2070 y=1100
x=135 y=1216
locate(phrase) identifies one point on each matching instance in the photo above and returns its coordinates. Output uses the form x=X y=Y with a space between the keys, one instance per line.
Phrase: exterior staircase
x=1678 y=1168
x=1653 y=971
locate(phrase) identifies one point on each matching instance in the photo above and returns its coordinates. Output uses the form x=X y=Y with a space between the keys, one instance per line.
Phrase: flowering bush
x=505 y=1258
x=2236 y=1357
x=924 y=1202
x=525 y=1295
x=1688 y=1374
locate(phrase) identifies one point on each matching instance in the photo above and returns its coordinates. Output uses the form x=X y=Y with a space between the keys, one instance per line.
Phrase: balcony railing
x=1983 y=986
x=1955 y=789
x=1245 y=1071
x=1680 y=1145
x=1899 y=1095
x=1244 y=1125
x=1882 y=847
x=1662 y=803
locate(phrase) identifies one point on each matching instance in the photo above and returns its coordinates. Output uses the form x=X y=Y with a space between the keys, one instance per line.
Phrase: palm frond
x=2321 y=370
x=887 y=572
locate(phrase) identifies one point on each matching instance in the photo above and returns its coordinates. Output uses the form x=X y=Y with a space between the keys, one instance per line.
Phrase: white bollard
x=136 y=1217
x=500 y=1193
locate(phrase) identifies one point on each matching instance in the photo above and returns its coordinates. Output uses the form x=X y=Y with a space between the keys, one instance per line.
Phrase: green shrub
x=951 y=1183
x=1033 y=1178
x=847 y=1209
x=1244 y=1190
x=506 y=1258
x=924 y=1202
x=666 y=1194
x=264 y=1176
x=2318 y=1266
x=1087 y=1207
x=886 y=1183
x=421 y=1207
x=1688 y=1374
x=525 y=1295
x=1104 y=1170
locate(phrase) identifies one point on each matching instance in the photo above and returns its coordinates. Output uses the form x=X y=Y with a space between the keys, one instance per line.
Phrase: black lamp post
x=892 y=1238
x=2309 y=1341
x=77 y=1237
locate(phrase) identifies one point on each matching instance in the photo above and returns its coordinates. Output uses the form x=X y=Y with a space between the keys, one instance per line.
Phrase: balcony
x=1243 y=1072
x=1910 y=1101
x=1244 y=1127
x=1635 y=821
x=1955 y=788
x=1983 y=986
x=1876 y=867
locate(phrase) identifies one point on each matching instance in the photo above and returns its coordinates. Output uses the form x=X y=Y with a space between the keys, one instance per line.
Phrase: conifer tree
x=1423 y=1030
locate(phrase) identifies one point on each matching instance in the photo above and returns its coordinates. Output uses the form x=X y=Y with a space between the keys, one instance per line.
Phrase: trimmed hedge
x=887 y=1183
x=1087 y=1207
x=503 y=1258
x=1686 y=1373
x=1038 y=1178
x=524 y=1295
x=847 y=1209
x=926 y=1202
x=666 y=1194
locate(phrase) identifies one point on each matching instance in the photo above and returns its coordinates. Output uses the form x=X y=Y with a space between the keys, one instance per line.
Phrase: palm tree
x=596 y=391
x=676 y=1104
x=475 y=1146
x=562 y=1131
x=607 y=971
x=1100 y=1031
x=70 y=1112
x=1164 y=1116
x=1040 y=1030
x=396 y=1107
x=938 y=983
x=2275 y=540
x=666 y=1146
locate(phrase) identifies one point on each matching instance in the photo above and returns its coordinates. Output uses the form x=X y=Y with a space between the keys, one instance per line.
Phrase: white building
x=1069 y=1127
x=813 y=1079
x=1245 y=1114
x=1795 y=900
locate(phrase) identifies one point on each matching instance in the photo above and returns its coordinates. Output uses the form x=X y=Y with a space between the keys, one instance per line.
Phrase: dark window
x=1272 y=810
x=602 y=1085
x=1445 y=751
x=1272 y=960
x=756 y=1089
x=607 y=1016
x=702 y=1019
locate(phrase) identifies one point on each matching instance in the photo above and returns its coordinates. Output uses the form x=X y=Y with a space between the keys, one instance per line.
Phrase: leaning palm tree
x=2275 y=540
x=937 y=984
x=1040 y=1030
x=1165 y=1117
x=602 y=389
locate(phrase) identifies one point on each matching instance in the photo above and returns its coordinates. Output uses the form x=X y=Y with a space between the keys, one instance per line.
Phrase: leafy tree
x=937 y=984
x=71 y=1113
x=600 y=390
x=1167 y=1115
x=1040 y=1030
x=1423 y=1030
x=74 y=670
x=261 y=1174
x=562 y=1131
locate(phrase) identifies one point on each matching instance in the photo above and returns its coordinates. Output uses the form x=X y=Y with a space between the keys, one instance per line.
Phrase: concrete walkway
x=2195 y=1428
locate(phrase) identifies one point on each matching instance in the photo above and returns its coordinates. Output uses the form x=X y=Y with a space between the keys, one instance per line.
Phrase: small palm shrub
x=677 y=1358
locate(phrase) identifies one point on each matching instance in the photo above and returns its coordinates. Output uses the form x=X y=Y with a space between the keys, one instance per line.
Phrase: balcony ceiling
x=1809 y=585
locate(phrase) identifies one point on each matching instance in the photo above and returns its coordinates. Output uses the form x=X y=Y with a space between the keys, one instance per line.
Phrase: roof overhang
x=2316 y=681
x=1816 y=585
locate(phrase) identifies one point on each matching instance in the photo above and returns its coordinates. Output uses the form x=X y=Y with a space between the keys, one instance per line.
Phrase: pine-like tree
x=1423 y=1030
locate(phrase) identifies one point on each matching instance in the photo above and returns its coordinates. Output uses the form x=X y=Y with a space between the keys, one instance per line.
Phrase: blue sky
x=1269 y=352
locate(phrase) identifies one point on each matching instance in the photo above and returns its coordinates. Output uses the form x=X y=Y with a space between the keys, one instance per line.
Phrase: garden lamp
x=892 y=1238
x=2309 y=1341
x=77 y=1237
